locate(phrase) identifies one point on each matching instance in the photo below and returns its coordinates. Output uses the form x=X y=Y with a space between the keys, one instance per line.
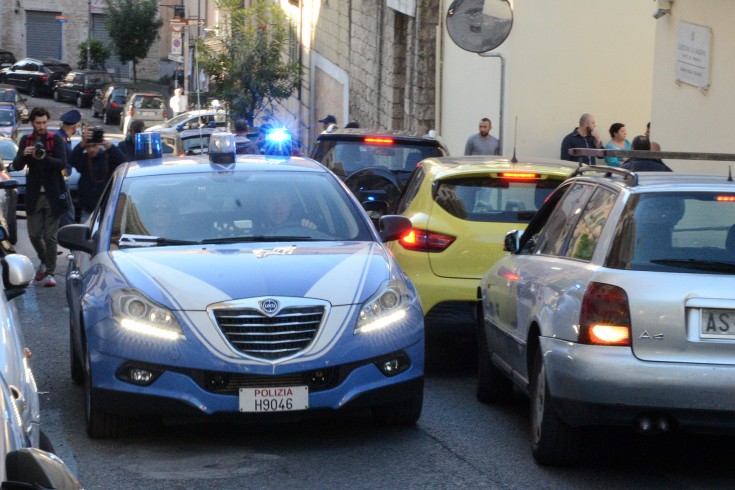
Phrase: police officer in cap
x=69 y=123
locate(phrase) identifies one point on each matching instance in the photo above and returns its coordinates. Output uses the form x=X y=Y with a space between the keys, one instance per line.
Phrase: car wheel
x=80 y=101
x=105 y=118
x=77 y=371
x=57 y=96
x=492 y=385
x=403 y=413
x=553 y=442
x=33 y=89
x=100 y=424
x=95 y=113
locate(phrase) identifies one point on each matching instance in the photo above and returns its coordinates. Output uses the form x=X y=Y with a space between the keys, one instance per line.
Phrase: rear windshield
x=148 y=102
x=493 y=198
x=346 y=157
x=7 y=95
x=690 y=232
x=98 y=79
x=57 y=68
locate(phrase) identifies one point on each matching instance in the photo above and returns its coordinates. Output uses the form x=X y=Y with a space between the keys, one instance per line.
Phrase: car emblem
x=269 y=306
x=646 y=336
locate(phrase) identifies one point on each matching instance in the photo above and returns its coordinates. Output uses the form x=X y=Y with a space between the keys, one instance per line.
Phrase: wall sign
x=693 y=46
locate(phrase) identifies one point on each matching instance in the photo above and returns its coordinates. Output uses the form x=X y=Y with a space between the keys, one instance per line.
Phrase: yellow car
x=461 y=209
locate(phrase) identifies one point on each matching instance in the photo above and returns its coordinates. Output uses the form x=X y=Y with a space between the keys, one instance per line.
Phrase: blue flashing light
x=148 y=146
x=278 y=142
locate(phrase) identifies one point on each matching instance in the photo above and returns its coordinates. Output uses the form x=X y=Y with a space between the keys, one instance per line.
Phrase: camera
x=39 y=151
x=98 y=134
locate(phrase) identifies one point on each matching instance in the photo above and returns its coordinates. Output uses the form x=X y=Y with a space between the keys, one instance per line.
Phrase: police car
x=247 y=285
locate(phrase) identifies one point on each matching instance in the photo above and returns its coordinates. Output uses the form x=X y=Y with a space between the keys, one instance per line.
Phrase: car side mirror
x=392 y=227
x=512 y=241
x=33 y=468
x=17 y=271
x=76 y=237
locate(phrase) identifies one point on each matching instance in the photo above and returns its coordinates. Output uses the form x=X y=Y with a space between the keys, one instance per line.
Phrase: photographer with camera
x=95 y=158
x=44 y=153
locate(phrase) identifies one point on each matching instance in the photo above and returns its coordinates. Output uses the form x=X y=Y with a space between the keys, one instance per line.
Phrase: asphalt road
x=458 y=442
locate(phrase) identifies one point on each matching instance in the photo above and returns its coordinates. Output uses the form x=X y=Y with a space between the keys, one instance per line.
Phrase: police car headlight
x=137 y=314
x=385 y=308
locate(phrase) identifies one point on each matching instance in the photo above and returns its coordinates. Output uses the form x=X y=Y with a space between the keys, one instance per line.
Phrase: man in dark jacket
x=644 y=164
x=583 y=136
x=46 y=197
x=127 y=146
x=95 y=161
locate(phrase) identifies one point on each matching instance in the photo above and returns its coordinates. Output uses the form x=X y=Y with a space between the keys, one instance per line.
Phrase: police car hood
x=191 y=277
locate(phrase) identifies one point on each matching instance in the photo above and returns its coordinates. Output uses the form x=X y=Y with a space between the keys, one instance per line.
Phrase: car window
x=147 y=102
x=412 y=188
x=69 y=78
x=196 y=145
x=7 y=118
x=214 y=205
x=591 y=222
x=7 y=58
x=493 y=198
x=168 y=145
x=7 y=96
x=676 y=232
x=57 y=68
x=552 y=237
x=79 y=79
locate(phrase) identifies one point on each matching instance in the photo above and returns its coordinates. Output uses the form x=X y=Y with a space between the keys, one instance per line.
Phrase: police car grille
x=270 y=337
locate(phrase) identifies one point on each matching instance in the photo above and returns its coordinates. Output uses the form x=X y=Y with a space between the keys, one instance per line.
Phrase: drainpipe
x=502 y=93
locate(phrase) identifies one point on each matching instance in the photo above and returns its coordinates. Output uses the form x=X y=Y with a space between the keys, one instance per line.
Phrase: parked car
x=81 y=86
x=375 y=165
x=615 y=307
x=187 y=142
x=8 y=150
x=146 y=106
x=8 y=120
x=6 y=58
x=11 y=95
x=9 y=205
x=37 y=76
x=460 y=209
x=109 y=100
x=166 y=335
x=204 y=118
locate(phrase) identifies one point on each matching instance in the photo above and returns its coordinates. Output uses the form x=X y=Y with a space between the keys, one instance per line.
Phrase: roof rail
x=631 y=178
x=670 y=155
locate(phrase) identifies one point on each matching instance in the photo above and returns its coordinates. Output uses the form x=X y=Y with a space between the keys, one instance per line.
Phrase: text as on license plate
x=282 y=399
x=717 y=324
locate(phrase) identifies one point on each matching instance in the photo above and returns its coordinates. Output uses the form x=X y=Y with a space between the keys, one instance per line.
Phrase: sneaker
x=49 y=282
x=40 y=273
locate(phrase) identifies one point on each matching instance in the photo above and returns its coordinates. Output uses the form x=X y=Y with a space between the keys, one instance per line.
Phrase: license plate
x=717 y=324
x=284 y=399
x=147 y=113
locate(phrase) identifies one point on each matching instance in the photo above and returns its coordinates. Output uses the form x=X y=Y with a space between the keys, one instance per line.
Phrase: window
x=411 y=190
x=587 y=232
x=563 y=218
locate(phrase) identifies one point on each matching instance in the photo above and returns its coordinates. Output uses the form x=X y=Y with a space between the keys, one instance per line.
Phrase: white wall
x=563 y=58
x=684 y=117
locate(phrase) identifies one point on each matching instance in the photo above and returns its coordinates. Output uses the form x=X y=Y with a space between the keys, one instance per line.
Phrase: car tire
x=100 y=424
x=492 y=385
x=80 y=101
x=76 y=368
x=95 y=113
x=105 y=118
x=12 y=216
x=404 y=413
x=33 y=89
x=553 y=442
x=57 y=96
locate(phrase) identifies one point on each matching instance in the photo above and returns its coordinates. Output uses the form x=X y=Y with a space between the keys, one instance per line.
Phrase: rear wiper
x=150 y=241
x=258 y=238
x=706 y=265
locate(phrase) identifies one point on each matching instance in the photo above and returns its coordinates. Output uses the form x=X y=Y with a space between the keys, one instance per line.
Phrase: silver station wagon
x=616 y=306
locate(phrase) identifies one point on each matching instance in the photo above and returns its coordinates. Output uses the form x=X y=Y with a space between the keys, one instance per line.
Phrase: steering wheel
x=375 y=184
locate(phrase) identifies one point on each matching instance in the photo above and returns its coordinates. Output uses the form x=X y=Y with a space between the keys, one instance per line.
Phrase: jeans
x=42 y=228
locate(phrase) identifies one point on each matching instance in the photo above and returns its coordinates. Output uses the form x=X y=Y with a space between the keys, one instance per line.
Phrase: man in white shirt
x=178 y=102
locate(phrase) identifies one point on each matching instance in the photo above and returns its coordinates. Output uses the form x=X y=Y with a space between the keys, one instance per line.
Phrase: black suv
x=6 y=58
x=35 y=75
x=81 y=85
x=377 y=164
x=109 y=101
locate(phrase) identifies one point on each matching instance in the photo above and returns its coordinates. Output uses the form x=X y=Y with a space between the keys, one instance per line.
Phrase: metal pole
x=89 y=34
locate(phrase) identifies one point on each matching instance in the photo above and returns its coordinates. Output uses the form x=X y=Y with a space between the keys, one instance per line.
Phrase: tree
x=133 y=26
x=246 y=59
x=99 y=53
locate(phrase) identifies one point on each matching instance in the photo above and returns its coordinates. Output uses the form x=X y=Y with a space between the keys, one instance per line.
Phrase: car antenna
x=515 y=139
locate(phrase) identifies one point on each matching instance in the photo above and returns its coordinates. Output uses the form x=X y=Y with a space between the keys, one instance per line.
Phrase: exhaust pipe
x=652 y=424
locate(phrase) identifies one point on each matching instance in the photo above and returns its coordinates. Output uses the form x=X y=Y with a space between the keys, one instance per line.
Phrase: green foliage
x=133 y=26
x=246 y=59
x=99 y=54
